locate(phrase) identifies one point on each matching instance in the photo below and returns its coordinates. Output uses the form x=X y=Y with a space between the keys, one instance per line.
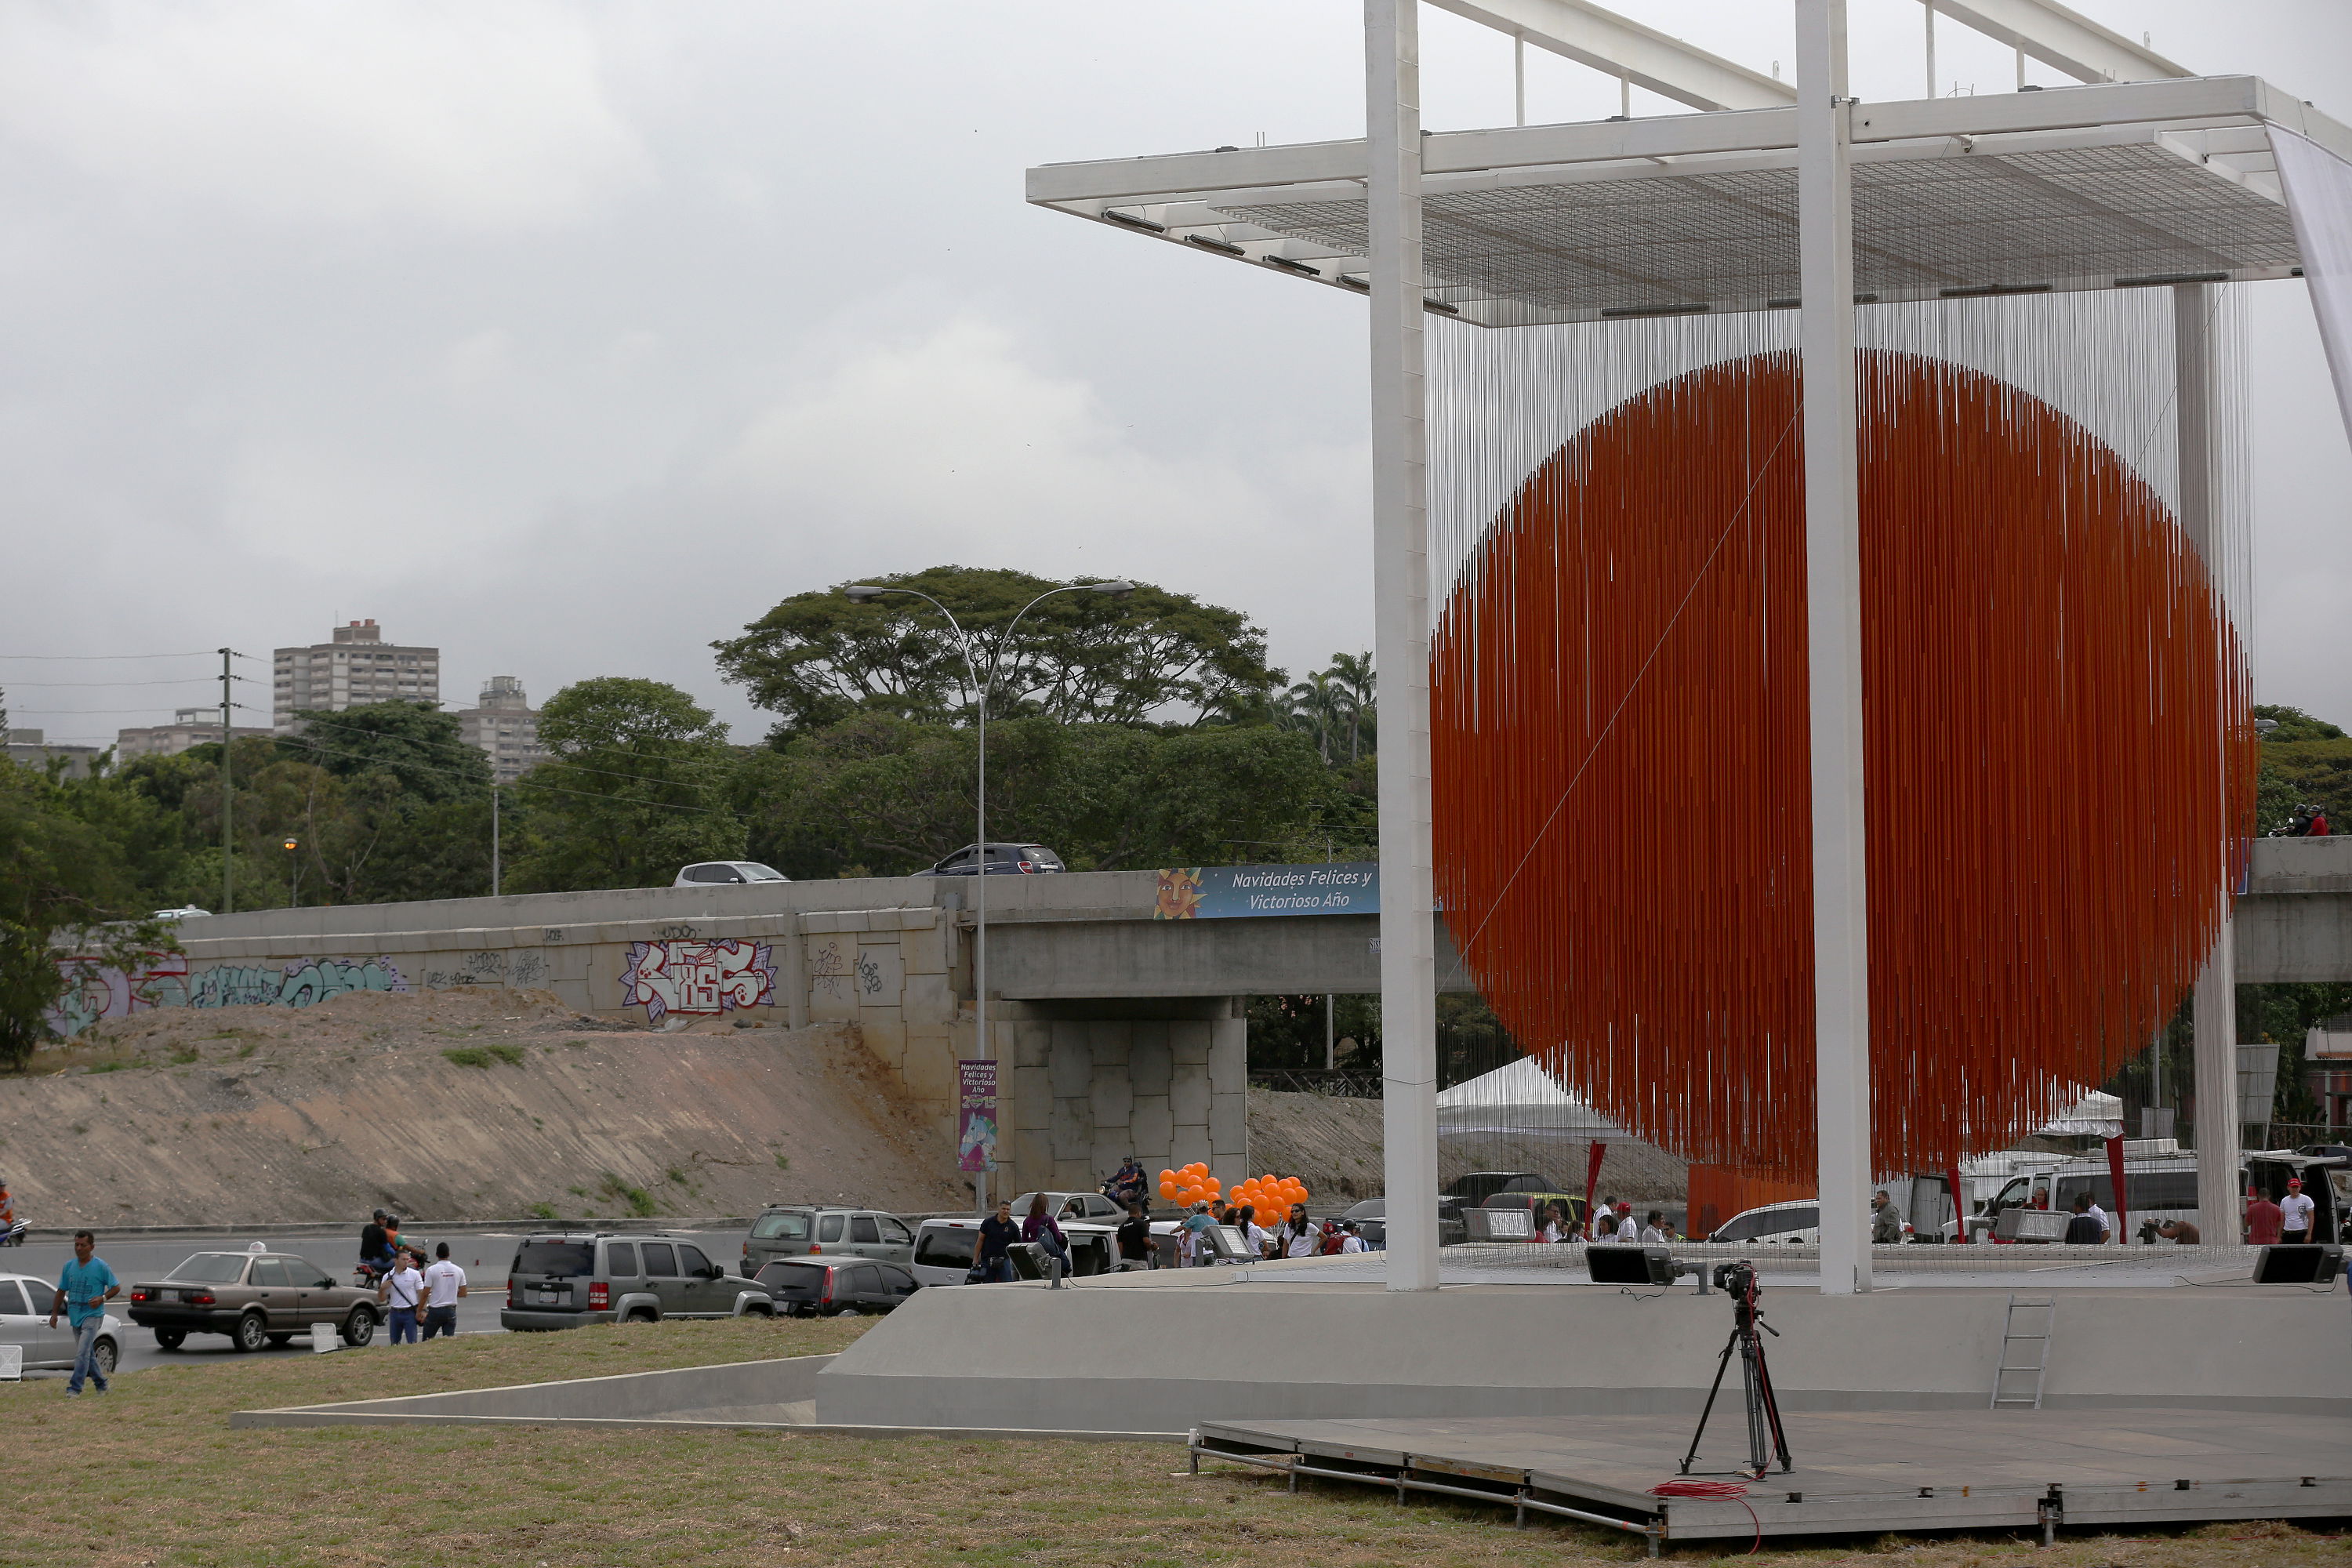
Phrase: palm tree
x=1352 y=674
x=1317 y=707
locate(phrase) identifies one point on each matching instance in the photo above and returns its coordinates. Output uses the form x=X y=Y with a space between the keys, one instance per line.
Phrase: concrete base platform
x=1171 y=1356
x=1856 y=1471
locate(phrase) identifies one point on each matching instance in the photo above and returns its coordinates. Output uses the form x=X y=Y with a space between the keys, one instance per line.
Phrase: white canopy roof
x=1521 y=1098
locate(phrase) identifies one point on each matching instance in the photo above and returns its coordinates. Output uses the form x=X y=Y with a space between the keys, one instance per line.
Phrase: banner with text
x=1228 y=892
x=976 y=1121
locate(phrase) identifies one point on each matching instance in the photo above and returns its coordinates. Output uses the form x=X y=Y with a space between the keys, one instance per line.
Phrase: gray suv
x=800 y=1230
x=567 y=1280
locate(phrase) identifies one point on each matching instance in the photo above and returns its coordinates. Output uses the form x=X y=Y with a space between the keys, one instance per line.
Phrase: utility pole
x=229 y=857
x=494 y=837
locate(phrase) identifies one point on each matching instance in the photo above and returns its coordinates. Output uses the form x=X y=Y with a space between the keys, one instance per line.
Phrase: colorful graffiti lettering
x=96 y=990
x=100 y=991
x=698 y=977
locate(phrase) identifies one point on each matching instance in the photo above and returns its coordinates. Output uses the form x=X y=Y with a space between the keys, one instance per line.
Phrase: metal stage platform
x=1860 y=1471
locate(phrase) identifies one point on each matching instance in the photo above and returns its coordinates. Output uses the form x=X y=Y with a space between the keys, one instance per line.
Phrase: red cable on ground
x=1714 y=1491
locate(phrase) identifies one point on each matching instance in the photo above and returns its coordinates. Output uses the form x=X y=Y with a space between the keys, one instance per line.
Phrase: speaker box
x=2305 y=1264
x=1629 y=1265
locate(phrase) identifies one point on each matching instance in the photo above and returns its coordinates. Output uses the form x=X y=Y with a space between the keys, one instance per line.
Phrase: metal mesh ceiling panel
x=2072 y=219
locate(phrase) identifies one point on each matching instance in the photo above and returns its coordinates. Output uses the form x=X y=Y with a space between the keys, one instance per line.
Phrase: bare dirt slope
x=1332 y=1142
x=455 y=1104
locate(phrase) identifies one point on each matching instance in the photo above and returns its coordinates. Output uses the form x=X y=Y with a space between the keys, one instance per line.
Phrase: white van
x=1796 y=1221
x=944 y=1249
x=2157 y=1189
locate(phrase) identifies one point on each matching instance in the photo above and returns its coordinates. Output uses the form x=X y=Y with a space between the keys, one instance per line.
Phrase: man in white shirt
x=2107 y=1223
x=444 y=1283
x=2294 y=1214
x=401 y=1291
x=1626 y=1229
x=1355 y=1242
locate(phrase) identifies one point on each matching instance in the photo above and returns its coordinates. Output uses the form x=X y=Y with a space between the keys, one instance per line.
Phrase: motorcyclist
x=12 y=1230
x=376 y=1245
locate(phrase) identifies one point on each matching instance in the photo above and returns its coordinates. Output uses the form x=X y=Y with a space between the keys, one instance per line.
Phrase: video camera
x=1736 y=1278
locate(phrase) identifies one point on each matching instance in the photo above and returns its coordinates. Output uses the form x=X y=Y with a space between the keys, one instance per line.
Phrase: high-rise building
x=506 y=726
x=29 y=748
x=189 y=727
x=358 y=667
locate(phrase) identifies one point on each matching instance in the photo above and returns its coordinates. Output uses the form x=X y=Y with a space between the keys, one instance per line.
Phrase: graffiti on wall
x=98 y=991
x=698 y=977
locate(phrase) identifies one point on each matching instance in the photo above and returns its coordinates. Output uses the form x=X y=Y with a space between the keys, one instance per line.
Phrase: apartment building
x=358 y=666
x=505 y=725
x=189 y=727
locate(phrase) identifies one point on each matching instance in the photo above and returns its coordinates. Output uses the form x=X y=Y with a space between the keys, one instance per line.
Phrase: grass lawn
x=151 y=1477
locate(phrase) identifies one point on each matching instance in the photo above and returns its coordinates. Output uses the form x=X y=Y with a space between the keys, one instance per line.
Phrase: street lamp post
x=867 y=593
x=293 y=873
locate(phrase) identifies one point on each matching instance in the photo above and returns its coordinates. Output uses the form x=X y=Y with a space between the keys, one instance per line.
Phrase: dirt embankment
x=455 y=1104
x=1333 y=1143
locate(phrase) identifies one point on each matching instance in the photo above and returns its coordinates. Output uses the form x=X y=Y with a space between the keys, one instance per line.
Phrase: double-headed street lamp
x=867 y=593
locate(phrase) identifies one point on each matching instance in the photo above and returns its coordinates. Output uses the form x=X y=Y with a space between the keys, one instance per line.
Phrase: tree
x=2305 y=762
x=635 y=785
x=877 y=794
x=81 y=855
x=816 y=659
x=423 y=749
x=1352 y=674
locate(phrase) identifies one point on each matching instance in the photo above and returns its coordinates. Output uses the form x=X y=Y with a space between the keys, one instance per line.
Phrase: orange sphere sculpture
x=2058 y=746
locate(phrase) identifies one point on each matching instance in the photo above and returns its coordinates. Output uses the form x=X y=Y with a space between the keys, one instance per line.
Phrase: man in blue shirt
x=84 y=1288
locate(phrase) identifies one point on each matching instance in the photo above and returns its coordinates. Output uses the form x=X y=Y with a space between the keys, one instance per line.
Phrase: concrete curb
x=299 y=1416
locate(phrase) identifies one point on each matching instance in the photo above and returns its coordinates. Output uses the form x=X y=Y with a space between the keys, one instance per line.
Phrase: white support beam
x=1833 y=641
x=1591 y=35
x=2063 y=39
x=1400 y=638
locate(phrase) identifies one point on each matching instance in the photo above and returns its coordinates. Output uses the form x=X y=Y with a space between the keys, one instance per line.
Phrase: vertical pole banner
x=976 y=1118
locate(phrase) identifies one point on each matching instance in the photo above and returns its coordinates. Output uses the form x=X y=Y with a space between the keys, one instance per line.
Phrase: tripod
x=1738 y=1280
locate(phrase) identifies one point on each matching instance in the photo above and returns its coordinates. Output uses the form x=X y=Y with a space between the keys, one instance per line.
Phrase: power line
x=199 y=653
x=183 y=680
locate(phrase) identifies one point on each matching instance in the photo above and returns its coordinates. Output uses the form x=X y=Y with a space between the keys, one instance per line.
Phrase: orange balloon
x=1167 y=1189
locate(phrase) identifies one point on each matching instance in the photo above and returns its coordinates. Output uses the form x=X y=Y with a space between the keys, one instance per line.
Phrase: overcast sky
x=570 y=338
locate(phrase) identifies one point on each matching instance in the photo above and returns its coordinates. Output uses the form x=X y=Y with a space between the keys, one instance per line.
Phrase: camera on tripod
x=1767 y=1440
x=1736 y=1278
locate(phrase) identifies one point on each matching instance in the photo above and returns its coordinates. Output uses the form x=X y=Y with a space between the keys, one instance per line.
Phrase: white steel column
x=1400 y=608
x=2214 y=1006
x=1833 y=618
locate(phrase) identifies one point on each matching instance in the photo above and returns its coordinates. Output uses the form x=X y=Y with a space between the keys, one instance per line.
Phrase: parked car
x=184 y=912
x=567 y=1280
x=826 y=1287
x=1477 y=1186
x=1799 y=1220
x=798 y=1230
x=1372 y=1223
x=1065 y=1207
x=25 y=1304
x=256 y=1298
x=944 y=1247
x=1003 y=860
x=1536 y=1202
x=709 y=873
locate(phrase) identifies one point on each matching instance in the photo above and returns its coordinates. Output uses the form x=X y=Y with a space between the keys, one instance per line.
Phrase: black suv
x=568 y=1281
x=821 y=1288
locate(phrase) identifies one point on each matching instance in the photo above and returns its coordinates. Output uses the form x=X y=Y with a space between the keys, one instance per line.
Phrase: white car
x=944 y=1247
x=184 y=912
x=732 y=873
x=25 y=1305
x=1798 y=1221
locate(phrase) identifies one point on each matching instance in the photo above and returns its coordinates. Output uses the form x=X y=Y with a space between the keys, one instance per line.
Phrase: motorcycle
x=15 y=1234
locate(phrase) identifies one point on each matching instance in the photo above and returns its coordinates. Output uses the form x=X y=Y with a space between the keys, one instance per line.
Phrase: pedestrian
x=1886 y=1220
x=2106 y=1222
x=85 y=1285
x=1040 y=1228
x=2263 y=1221
x=2294 y=1214
x=1626 y=1229
x=1552 y=1227
x=401 y=1291
x=1355 y=1241
x=1296 y=1239
x=2082 y=1230
x=993 y=1263
x=444 y=1283
x=1134 y=1237
x=2179 y=1232
x=1261 y=1240
x=1604 y=1223
x=1198 y=1250
x=1655 y=1231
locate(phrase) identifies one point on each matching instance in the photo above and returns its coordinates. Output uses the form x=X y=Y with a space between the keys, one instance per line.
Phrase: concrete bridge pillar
x=1091 y=1081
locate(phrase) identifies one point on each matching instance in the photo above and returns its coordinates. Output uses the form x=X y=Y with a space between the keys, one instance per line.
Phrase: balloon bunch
x=1190 y=1186
x=1271 y=1195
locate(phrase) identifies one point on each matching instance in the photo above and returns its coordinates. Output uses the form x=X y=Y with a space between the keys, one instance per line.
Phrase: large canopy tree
x=817 y=659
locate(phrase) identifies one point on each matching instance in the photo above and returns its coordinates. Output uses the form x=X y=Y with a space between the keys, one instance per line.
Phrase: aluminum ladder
x=2025 y=1331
